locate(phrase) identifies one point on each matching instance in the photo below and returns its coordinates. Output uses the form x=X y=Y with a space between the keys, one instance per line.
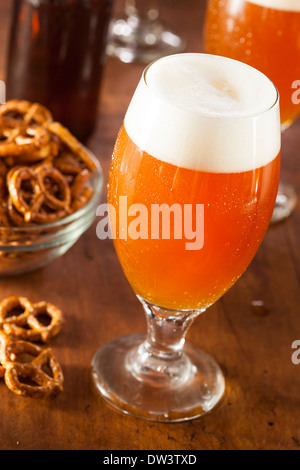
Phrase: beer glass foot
x=151 y=396
x=286 y=201
x=159 y=377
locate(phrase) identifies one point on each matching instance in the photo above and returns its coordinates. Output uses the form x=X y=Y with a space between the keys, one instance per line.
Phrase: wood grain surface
x=261 y=407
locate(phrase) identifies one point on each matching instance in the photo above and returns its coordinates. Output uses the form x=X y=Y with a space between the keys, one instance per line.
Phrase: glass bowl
x=24 y=249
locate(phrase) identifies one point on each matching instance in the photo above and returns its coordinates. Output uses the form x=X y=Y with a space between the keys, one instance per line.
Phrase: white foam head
x=287 y=5
x=205 y=112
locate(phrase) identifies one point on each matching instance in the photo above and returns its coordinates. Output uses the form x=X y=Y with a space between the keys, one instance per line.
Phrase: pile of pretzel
x=44 y=170
x=29 y=369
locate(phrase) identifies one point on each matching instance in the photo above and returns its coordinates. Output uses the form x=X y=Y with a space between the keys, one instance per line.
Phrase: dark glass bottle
x=56 y=57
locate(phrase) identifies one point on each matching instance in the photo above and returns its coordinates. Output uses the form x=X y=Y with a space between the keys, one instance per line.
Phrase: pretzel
x=62 y=187
x=12 y=351
x=9 y=304
x=3 y=342
x=30 y=204
x=26 y=326
x=82 y=200
x=15 y=180
x=21 y=332
x=67 y=163
x=24 y=139
x=56 y=323
x=49 y=150
x=44 y=217
x=44 y=384
x=72 y=143
x=79 y=183
x=28 y=112
x=28 y=369
x=44 y=169
x=16 y=218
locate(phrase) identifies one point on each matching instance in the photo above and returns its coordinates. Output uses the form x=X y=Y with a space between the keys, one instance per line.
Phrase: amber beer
x=191 y=150
x=264 y=34
x=200 y=131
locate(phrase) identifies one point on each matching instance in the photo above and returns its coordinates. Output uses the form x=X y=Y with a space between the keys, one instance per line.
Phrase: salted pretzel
x=17 y=350
x=51 y=311
x=8 y=305
x=15 y=181
x=81 y=200
x=21 y=332
x=79 y=183
x=72 y=143
x=25 y=140
x=49 y=150
x=48 y=172
x=29 y=203
x=26 y=325
x=16 y=325
x=25 y=112
x=42 y=384
x=14 y=216
x=42 y=217
x=67 y=163
x=44 y=170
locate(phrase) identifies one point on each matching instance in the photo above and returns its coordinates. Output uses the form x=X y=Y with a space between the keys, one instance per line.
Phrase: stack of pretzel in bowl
x=47 y=179
x=44 y=170
x=46 y=175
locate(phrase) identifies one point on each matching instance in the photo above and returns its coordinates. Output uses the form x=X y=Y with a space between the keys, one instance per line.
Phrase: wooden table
x=261 y=408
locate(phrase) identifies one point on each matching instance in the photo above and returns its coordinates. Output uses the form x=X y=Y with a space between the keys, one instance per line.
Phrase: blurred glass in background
x=140 y=36
x=266 y=35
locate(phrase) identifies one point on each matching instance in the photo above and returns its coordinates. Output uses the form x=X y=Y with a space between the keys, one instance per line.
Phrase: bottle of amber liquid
x=56 y=57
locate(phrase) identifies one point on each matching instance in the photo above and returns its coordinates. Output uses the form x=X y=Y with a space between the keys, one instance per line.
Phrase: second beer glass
x=266 y=35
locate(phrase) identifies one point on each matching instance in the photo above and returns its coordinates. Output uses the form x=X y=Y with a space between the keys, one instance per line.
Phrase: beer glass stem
x=161 y=358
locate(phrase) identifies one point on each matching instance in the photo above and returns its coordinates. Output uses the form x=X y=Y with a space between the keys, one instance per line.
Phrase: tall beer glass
x=200 y=147
x=266 y=35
